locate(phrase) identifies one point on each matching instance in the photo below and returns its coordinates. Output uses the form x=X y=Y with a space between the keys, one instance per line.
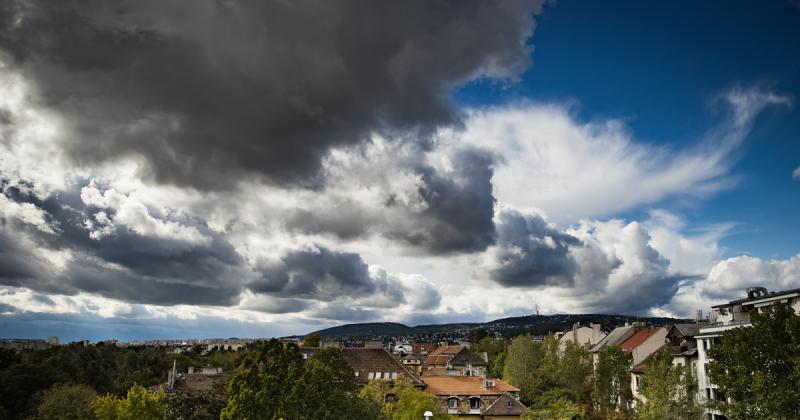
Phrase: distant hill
x=507 y=327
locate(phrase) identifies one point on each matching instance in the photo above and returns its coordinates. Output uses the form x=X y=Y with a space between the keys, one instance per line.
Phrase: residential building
x=475 y=397
x=587 y=337
x=370 y=364
x=616 y=337
x=724 y=317
x=468 y=363
x=644 y=343
x=436 y=362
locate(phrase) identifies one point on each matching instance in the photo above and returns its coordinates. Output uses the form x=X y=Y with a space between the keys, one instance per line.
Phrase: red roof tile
x=637 y=339
x=464 y=385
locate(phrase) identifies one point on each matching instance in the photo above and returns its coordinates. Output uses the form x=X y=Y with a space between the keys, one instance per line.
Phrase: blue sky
x=660 y=66
x=248 y=171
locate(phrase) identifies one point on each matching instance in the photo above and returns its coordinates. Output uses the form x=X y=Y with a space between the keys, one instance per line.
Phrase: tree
x=562 y=373
x=667 y=390
x=498 y=365
x=758 y=367
x=560 y=409
x=522 y=359
x=205 y=405
x=138 y=405
x=66 y=402
x=478 y=334
x=327 y=389
x=399 y=400
x=312 y=340
x=611 y=390
x=274 y=382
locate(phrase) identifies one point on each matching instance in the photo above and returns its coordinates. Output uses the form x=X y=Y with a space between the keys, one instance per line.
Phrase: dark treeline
x=106 y=369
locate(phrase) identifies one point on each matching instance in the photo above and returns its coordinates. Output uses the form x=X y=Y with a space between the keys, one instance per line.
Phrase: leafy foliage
x=139 y=404
x=611 y=390
x=521 y=361
x=400 y=400
x=667 y=390
x=312 y=340
x=559 y=409
x=194 y=406
x=105 y=369
x=547 y=373
x=274 y=382
x=66 y=402
x=495 y=349
x=758 y=367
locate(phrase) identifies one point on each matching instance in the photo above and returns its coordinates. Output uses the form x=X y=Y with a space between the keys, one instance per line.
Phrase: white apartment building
x=733 y=314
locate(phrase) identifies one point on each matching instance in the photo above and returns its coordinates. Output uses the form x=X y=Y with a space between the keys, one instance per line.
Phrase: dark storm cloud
x=123 y=264
x=451 y=211
x=321 y=274
x=530 y=253
x=458 y=208
x=344 y=313
x=212 y=91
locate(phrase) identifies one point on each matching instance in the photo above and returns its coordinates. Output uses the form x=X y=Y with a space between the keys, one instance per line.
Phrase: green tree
x=498 y=365
x=521 y=361
x=478 y=334
x=400 y=400
x=312 y=340
x=562 y=373
x=327 y=389
x=667 y=390
x=274 y=382
x=66 y=402
x=139 y=404
x=758 y=367
x=206 y=405
x=559 y=409
x=611 y=390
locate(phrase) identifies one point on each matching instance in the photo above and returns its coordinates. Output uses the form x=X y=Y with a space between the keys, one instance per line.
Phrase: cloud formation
x=549 y=162
x=206 y=95
x=302 y=162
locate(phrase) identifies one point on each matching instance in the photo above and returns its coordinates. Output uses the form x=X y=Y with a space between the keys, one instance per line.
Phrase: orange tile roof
x=451 y=350
x=437 y=359
x=637 y=339
x=464 y=385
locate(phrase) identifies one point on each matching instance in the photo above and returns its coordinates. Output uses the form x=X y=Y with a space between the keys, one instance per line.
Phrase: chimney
x=486 y=357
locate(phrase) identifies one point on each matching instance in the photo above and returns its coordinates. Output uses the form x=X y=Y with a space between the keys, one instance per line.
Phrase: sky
x=257 y=169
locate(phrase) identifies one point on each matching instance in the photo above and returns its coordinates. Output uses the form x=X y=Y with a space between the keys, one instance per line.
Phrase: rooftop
x=615 y=337
x=770 y=295
x=466 y=356
x=365 y=360
x=501 y=407
x=637 y=339
x=465 y=385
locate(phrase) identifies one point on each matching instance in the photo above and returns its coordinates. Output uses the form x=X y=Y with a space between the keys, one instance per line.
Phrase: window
x=474 y=403
x=708 y=394
x=452 y=403
x=371 y=375
x=394 y=375
x=509 y=403
x=356 y=374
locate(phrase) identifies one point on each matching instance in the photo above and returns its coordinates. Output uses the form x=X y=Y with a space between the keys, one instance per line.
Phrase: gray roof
x=689 y=330
x=615 y=337
x=501 y=407
x=466 y=356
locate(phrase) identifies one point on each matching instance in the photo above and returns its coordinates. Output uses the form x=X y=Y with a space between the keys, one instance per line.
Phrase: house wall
x=650 y=346
x=463 y=404
x=583 y=335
